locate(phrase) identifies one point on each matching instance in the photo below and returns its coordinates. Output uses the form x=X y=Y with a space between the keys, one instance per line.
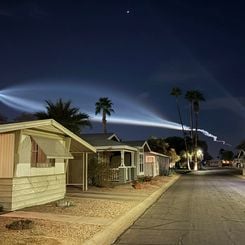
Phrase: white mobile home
x=33 y=160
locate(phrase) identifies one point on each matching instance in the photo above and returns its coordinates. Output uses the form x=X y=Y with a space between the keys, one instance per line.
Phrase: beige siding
x=6 y=193
x=30 y=191
x=6 y=155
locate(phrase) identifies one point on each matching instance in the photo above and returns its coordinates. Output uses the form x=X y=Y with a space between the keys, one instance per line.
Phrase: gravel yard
x=50 y=232
x=46 y=232
x=86 y=207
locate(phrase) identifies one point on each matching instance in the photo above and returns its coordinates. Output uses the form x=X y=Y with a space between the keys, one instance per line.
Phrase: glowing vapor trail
x=161 y=124
x=86 y=95
x=20 y=104
x=215 y=138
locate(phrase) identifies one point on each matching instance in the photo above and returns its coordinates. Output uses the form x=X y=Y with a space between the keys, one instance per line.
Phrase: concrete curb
x=116 y=228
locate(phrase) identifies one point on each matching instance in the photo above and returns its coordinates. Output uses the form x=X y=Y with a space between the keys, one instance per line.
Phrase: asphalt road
x=203 y=208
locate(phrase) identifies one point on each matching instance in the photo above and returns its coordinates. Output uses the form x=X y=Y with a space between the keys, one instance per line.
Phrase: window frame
x=38 y=157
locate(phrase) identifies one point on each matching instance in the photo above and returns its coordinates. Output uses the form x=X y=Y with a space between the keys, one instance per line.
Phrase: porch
x=122 y=168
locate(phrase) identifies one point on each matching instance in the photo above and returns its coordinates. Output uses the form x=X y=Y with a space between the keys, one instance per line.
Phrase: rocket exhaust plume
x=31 y=97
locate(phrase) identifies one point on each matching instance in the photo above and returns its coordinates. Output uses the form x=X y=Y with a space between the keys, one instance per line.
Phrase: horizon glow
x=31 y=97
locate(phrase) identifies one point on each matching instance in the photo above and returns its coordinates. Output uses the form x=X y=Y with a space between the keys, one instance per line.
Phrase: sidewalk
x=95 y=215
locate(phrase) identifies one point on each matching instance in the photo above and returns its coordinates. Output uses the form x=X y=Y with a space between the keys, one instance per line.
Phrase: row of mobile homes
x=127 y=160
x=39 y=158
x=33 y=160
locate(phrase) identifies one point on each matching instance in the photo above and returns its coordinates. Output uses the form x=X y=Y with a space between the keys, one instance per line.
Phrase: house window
x=141 y=163
x=38 y=158
x=150 y=159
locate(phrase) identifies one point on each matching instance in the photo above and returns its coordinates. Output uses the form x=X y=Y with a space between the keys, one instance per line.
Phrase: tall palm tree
x=189 y=96
x=194 y=97
x=104 y=106
x=176 y=92
x=67 y=115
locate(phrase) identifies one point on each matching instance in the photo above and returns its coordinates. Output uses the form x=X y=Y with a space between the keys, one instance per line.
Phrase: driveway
x=203 y=208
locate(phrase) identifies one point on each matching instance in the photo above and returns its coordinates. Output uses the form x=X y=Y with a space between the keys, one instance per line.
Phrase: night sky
x=133 y=52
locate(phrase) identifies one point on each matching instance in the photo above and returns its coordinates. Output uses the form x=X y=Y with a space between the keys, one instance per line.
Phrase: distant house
x=149 y=163
x=156 y=164
x=33 y=160
x=143 y=148
x=120 y=157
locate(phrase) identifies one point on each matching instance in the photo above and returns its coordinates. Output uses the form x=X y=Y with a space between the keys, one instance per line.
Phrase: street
x=207 y=207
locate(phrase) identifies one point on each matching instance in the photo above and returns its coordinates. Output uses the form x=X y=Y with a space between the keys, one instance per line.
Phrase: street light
x=200 y=154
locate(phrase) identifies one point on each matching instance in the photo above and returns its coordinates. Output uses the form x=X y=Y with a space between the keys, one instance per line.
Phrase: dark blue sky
x=141 y=54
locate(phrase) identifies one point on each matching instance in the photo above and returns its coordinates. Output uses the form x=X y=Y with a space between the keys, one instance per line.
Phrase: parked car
x=226 y=163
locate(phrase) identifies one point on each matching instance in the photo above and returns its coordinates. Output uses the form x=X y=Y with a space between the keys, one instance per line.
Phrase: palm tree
x=67 y=115
x=104 y=105
x=189 y=96
x=176 y=92
x=194 y=97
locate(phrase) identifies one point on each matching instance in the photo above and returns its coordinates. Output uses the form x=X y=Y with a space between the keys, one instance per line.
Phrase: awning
x=52 y=148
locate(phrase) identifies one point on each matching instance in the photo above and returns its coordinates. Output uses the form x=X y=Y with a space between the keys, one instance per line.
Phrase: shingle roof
x=135 y=143
x=48 y=125
x=99 y=136
x=103 y=140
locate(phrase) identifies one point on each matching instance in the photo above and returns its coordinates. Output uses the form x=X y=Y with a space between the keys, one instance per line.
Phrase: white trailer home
x=33 y=160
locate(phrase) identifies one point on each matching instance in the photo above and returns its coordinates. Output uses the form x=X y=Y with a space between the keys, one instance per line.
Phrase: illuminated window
x=150 y=159
x=38 y=158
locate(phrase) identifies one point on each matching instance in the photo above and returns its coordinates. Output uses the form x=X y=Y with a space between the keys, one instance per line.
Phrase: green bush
x=98 y=173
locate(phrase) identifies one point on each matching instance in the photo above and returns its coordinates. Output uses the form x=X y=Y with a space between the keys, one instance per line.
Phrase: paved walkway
x=109 y=195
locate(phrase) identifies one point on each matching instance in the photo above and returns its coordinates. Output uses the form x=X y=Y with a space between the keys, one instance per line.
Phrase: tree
x=178 y=144
x=104 y=106
x=176 y=92
x=241 y=146
x=226 y=155
x=189 y=96
x=158 y=145
x=25 y=116
x=194 y=97
x=67 y=115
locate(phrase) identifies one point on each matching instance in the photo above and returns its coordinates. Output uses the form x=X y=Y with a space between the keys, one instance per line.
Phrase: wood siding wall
x=6 y=155
x=36 y=190
x=6 y=193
